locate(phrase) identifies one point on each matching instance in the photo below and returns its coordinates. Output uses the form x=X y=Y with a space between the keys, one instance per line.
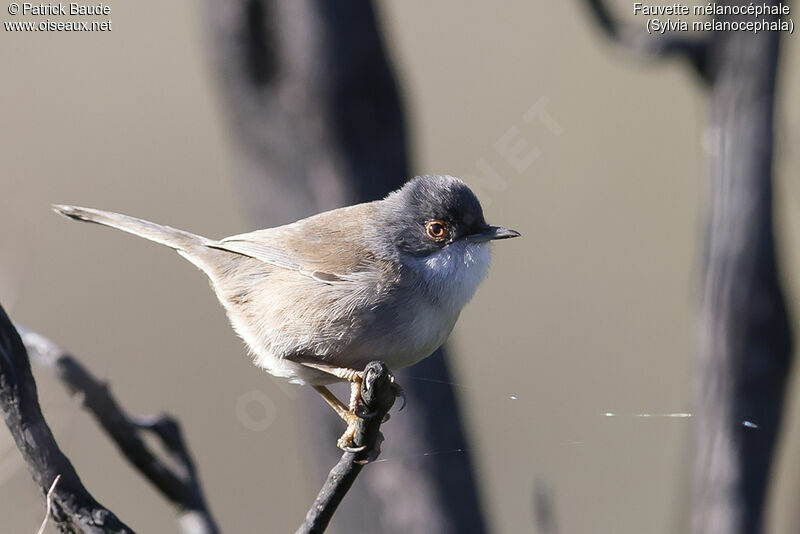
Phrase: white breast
x=445 y=282
x=453 y=274
x=448 y=280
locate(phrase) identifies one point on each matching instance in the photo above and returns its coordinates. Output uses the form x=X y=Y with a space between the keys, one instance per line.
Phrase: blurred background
x=589 y=314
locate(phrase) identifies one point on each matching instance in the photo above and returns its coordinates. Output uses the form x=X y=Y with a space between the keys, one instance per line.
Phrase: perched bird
x=318 y=299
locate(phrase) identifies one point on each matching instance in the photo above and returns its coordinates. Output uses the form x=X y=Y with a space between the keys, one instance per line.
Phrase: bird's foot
x=356 y=410
x=352 y=417
x=346 y=442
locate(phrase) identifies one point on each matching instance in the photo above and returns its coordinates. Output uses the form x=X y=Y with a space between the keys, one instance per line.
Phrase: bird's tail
x=188 y=244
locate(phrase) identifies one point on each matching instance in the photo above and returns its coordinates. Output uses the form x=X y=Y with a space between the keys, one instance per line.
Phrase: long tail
x=191 y=246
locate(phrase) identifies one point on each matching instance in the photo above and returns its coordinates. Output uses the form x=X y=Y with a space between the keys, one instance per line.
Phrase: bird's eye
x=436 y=230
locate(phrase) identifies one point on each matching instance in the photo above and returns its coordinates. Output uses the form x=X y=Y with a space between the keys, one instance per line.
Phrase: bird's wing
x=248 y=245
x=327 y=247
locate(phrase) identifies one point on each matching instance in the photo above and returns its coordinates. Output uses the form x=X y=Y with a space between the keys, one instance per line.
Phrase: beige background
x=591 y=312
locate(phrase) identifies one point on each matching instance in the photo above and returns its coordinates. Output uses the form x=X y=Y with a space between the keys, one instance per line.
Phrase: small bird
x=318 y=299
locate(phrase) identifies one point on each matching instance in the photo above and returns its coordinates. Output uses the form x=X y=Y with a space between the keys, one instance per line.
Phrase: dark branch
x=745 y=348
x=176 y=480
x=378 y=395
x=745 y=342
x=74 y=510
x=640 y=42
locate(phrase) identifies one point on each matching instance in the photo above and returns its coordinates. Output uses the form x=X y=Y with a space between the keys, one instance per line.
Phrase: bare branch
x=745 y=344
x=642 y=43
x=176 y=480
x=378 y=395
x=74 y=510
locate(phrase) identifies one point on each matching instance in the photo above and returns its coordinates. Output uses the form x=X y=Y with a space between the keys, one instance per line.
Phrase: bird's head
x=438 y=229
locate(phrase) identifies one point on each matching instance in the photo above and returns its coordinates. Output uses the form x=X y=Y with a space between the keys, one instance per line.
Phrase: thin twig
x=378 y=395
x=176 y=480
x=49 y=500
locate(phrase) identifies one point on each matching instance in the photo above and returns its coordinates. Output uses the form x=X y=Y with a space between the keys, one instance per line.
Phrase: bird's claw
x=400 y=393
x=374 y=452
x=346 y=442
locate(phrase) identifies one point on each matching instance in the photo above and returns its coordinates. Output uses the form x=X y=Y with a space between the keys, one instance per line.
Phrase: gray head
x=433 y=212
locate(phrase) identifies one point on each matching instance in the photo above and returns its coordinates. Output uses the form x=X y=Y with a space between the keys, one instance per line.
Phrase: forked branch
x=177 y=479
x=640 y=42
x=73 y=508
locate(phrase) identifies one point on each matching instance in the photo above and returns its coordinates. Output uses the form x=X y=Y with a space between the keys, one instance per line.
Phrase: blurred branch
x=640 y=42
x=176 y=480
x=744 y=353
x=544 y=508
x=73 y=509
x=377 y=395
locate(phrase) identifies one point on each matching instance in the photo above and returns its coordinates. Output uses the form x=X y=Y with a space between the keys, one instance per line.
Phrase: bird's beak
x=491 y=233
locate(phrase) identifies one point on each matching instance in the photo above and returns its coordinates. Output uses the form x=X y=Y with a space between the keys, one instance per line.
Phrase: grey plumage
x=343 y=287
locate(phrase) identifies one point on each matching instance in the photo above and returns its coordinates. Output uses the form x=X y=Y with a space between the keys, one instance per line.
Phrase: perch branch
x=640 y=42
x=73 y=508
x=176 y=480
x=377 y=395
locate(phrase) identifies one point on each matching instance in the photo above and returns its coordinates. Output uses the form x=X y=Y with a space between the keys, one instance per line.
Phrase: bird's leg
x=337 y=405
x=349 y=413
x=355 y=395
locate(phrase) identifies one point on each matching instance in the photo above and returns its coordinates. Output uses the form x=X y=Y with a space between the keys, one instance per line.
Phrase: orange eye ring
x=437 y=230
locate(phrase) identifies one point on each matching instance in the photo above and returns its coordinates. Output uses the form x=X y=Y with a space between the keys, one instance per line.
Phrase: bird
x=318 y=299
